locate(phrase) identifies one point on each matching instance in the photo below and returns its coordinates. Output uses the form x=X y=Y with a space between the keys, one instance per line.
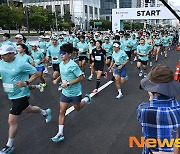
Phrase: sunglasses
x=91 y=42
x=62 y=52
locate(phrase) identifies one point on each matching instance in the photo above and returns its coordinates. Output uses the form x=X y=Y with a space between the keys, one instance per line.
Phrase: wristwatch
x=68 y=84
x=27 y=82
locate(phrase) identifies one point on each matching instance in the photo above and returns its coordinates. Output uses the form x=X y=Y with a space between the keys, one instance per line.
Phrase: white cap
x=34 y=43
x=5 y=49
x=96 y=33
x=54 y=37
x=41 y=37
x=47 y=37
x=19 y=36
x=116 y=45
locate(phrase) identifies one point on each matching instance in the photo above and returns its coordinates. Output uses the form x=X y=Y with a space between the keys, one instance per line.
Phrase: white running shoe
x=141 y=74
x=119 y=96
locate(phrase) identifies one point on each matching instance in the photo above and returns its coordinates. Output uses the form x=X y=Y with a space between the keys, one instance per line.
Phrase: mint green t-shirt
x=143 y=49
x=53 y=52
x=12 y=72
x=69 y=72
x=119 y=57
x=25 y=58
x=108 y=47
x=82 y=47
x=38 y=57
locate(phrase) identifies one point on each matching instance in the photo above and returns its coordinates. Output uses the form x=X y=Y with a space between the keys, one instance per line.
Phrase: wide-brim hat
x=160 y=80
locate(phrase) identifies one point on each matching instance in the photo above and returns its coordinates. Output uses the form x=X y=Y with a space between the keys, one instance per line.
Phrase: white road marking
x=71 y=109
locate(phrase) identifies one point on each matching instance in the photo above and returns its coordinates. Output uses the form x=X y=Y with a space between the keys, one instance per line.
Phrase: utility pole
x=27 y=18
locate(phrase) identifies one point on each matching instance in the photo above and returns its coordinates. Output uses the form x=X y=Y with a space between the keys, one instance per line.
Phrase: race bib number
x=8 y=87
x=37 y=61
x=81 y=49
x=98 y=58
x=55 y=59
x=116 y=60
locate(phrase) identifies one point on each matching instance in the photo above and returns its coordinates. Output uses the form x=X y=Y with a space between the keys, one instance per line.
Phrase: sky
x=176 y=2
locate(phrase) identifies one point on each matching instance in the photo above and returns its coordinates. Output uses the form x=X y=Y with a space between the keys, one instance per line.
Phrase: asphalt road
x=103 y=127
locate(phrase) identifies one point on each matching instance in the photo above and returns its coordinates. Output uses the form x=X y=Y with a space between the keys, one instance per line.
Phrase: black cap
x=6 y=35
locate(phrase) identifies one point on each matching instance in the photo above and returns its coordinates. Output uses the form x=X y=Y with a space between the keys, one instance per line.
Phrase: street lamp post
x=27 y=18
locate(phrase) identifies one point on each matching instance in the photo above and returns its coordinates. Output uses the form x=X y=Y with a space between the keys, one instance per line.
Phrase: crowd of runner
x=106 y=54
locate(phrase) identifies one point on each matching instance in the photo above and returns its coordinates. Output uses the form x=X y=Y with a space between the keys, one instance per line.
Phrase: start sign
x=141 y=14
x=148 y=13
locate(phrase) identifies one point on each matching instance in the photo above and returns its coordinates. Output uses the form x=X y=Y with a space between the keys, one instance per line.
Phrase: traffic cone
x=178 y=47
x=177 y=73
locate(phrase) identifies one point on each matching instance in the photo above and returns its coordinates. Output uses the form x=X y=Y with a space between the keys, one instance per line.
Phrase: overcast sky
x=176 y=2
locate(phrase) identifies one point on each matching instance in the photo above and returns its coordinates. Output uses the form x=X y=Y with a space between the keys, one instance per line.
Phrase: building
x=106 y=9
x=82 y=11
x=108 y=5
x=7 y=1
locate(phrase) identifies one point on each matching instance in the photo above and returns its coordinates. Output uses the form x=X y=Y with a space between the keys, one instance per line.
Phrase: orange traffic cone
x=178 y=47
x=177 y=73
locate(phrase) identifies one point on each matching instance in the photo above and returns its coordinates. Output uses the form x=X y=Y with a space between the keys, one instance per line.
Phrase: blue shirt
x=159 y=118
x=14 y=71
x=69 y=72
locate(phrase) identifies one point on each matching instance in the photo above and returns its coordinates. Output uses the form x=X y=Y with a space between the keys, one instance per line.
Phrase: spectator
x=161 y=116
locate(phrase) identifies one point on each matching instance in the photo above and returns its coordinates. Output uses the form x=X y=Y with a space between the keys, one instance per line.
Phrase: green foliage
x=13 y=17
x=129 y=25
x=38 y=17
x=106 y=24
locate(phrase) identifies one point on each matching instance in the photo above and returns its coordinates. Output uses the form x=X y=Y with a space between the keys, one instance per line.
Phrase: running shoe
x=95 y=91
x=145 y=75
x=7 y=150
x=45 y=71
x=90 y=78
x=0 y=77
x=110 y=71
x=41 y=88
x=105 y=75
x=165 y=55
x=44 y=84
x=141 y=74
x=126 y=77
x=119 y=96
x=150 y=64
x=161 y=53
x=48 y=115
x=89 y=97
x=135 y=58
x=57 y=138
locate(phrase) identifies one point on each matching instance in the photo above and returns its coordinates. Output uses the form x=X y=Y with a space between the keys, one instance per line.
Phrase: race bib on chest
x=81 y=49
x=8 y=87
x=98 y=58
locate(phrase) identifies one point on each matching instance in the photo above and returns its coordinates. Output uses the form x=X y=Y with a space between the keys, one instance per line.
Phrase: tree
x=38 y=18
x=106 y=24
x=17 y=15
x=6 y=17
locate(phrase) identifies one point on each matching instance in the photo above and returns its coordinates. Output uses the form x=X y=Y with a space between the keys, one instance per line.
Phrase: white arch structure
x=118 y=15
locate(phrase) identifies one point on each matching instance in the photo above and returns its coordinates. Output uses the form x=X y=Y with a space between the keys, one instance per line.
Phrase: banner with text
x=141 y=14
